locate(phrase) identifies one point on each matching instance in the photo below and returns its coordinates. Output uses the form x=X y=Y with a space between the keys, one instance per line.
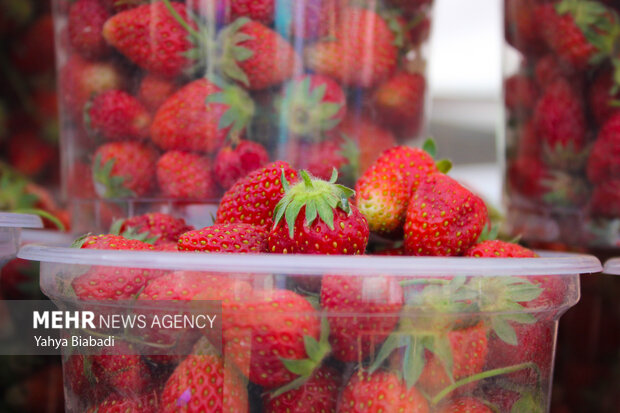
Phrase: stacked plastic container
x=502 y=313
x=10 y=232
x=166 y=103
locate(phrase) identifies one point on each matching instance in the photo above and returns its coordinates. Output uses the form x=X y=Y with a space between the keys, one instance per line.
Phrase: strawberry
x=420 y=31
x=399 y=102
x=548 y=69
x=553 y=294
x=363 y=53
x=191 y=285
x=381 y=391
x=262 y=11
x=320 y=391
x=156 y=224
x=110 y=242
x=499 y=249
x=370 y=140
x=185 y=175
x=603 y=97
x=79 y=79
x=526 y=175
x=252 y=199
x=79 y=378
x=468 y=347
x=318 y=219
x=125 y=373
x=33 y=53
x=154 y=91
x=320 y=158
x=528 y=145
x=123 y=169
x=116 y=115
x=199 y=116
x=315 y=18
x=605 y=200
x=255 y=55
x=311 y=105
x=384 y=190
x=204 y=383
x=559 y=122
x=464 y=405
x=29 y=154
x=604 y=160
x=19 y=280
x=272 y=337
x=85 y=21
x=443 y=218
x=520 y=94
x=164 y=50
x=237 y=238
x=147 y=403
x=121 y=5
x=376 y=303
x=521 y=26
x=236 y=161
x=576 y=31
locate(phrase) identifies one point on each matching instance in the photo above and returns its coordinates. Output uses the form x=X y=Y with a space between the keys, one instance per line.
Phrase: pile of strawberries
x=176 y=100
x=329 y=342
x=563 y=121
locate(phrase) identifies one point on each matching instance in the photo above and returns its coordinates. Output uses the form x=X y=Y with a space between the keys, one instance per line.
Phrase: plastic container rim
x=612 y=266
x=12 y=220
x=548 y=264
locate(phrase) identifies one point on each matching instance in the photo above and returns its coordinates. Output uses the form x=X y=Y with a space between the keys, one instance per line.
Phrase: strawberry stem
x=484 y=375
x=42 y=214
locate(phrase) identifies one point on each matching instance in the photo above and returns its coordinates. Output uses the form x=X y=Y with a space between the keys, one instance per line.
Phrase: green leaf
x=80 y=240
x=311 y=212
x=116 y=226
x=227 y=119
x=504 y=330
x=393 y=342
x=444 y=166
x=291 y=213
x=443 y=351
x=523 y=292
x=303 y=367
x=313 y=348
x=413 y=363
x=242 y=53
x=521 y=318
x=430 y=147
x=326 y=213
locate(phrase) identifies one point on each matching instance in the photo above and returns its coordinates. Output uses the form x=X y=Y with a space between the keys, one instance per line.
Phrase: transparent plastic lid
x=612 y=266
x=547 y=264
x=47 y=237
x=11 y=220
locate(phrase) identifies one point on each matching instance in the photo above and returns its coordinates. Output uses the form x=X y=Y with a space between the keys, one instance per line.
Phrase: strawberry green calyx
x=107 y=185
x=319 y=197
x=305 y=110
x=240 y=107
x=131 y=233
x=443 y=165
x=232 y=53
x=316 y=351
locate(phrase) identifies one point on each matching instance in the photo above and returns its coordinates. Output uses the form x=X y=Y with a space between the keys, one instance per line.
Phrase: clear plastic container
x=612 y=266
x=10 y=232
x=562 y=145
x=165 y=114
x=449 y=327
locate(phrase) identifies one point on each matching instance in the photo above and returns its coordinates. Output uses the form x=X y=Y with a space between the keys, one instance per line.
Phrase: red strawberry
x=528 y=145
x=601 y=97
x=399 y=102
x=33 y=53
x=253 y=198
x=19 y=280
x=521 y=26
x=154 y=91
x=86 y=19
x=116 y=115
x=121 y=5
x=156 y=224
x=320 y=392
x=256 y=56
x=464 y=405
x=420 y=31
x=312 y=105
x=185 y=175
x=370 y=140
x=79 y=378
x=559 y=122
x=469 y=352
x=526 y=176
x=29 y=154
x=548 y=69
x=443 y=218
x=80 y=79
x=191 y=285
x=123 y=169
x=604 y=160
x=262 y=11
x=605 y=200
x=520 y=94
x=191 y=119
x=362 y=312
x=384 y=190
x=363 y=53
x=381 y=391
x=152 y=37
x=320 y=158
x=316 y=18
x=266 y=335
x=237 y=238
x=564 y=26
x=123 y=371
x=204 y=383
x=318 y=219
x=147 y=403
x=236 y=161
x=499 y=249
x=553 y=294
x=111 y=242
